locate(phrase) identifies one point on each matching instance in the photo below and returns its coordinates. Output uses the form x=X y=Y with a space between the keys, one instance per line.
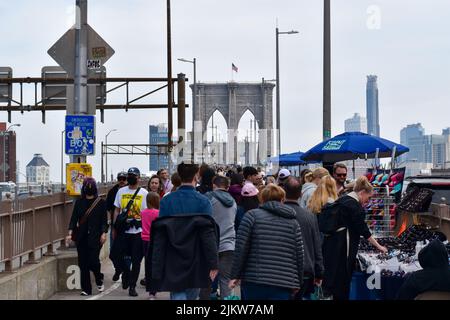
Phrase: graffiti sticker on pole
x=80 y=135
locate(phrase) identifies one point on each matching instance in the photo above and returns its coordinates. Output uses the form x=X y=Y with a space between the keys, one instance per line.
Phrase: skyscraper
x=158 y=135
x=357 y=123
x=7 y=154
x=373 y=119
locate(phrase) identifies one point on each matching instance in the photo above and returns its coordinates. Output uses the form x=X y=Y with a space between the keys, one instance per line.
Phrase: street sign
x=80 y=135
x=75 y=175
x=63 y=51
x=94 y=64
x=60 y=94
x=5 y=88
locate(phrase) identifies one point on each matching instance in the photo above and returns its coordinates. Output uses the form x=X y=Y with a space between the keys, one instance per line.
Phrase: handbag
x=83 y=220
x=121 y=220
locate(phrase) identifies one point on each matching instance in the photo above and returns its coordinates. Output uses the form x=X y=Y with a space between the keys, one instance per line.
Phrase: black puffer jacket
x=269 y=247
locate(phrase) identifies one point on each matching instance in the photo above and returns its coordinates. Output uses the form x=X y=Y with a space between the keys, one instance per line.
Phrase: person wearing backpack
x=130 y=202
x=343 y=223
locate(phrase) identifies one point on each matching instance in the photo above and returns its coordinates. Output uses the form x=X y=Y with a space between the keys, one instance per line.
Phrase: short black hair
x=221 y=182
x=293 y=188
x=187 y=171
x=249 y=171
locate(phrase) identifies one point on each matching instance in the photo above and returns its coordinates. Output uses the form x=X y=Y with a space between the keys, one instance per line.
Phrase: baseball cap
x=249 y=190
x=121 y=174
x=284 y=173
x=135 y=171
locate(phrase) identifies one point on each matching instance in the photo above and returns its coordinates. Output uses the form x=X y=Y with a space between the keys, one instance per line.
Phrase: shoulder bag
x=83 y=219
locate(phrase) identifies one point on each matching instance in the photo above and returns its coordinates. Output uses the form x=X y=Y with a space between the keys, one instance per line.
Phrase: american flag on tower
x=234 y=67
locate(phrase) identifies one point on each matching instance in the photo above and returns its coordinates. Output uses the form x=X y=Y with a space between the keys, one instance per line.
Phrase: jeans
x=223 y=277
x=254 y=291
x=188 y=294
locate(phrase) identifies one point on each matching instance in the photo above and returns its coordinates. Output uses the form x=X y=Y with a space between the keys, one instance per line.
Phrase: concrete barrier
x=43 y=279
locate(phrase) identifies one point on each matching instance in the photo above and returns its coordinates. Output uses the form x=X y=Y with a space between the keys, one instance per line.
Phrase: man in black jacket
x=184 y=241
x=435 y=275
x=312 y=244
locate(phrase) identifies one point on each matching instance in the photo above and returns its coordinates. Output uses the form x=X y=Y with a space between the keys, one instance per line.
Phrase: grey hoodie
x=307 y=192
x=224 y=213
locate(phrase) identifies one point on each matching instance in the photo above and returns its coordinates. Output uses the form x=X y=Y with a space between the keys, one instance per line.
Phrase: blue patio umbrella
x=290 y=159
x=351 y=146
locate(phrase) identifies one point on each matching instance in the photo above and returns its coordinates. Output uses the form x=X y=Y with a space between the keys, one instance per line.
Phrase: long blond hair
x=325 y=190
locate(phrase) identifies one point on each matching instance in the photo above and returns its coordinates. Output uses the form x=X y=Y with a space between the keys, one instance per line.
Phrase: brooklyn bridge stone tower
x=232 y=100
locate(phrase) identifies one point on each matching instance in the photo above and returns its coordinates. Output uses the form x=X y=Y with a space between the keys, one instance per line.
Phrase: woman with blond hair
x=326 y=192
x=309 y=187
x=341 y=246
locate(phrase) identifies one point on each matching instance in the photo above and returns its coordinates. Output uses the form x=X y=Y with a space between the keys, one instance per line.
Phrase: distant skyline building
x=158 y=135
x=38 y=170
x=416 y=147
x=433 y=149
x=356 y=123
x=373 y=117
x=8 y=152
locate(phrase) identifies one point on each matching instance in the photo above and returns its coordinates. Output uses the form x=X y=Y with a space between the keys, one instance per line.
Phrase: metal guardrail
x=34 y=223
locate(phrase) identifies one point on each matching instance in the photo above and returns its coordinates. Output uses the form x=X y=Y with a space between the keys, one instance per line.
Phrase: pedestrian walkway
x=113 y=290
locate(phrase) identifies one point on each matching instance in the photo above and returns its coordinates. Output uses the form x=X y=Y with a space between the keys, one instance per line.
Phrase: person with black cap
x=110 y=198
x=131 y=200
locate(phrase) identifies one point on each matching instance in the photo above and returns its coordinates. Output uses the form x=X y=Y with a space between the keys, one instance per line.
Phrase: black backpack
x=328 y=218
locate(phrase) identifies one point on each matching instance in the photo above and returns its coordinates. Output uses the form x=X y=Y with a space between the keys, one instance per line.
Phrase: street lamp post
x=194 y=98
x=106 y=153
x=4 y=148
x=62 y=159
x=277 y=33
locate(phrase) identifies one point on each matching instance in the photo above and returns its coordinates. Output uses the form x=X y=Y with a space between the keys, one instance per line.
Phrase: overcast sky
x=406 y=45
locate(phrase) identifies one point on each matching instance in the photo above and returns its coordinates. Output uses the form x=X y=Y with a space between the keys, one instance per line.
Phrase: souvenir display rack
x=380 y=212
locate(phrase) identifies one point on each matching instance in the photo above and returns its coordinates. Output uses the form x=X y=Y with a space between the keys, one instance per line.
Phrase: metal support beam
x=327 y=72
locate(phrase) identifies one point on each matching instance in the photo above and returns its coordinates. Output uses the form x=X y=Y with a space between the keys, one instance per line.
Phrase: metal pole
x=103 y=176
x=106 y=158
x=194 y=101
x=80 y=81
x=169 y=78
x=62 y=158
x=4 y=156
x=327 y=72
x=278 y=92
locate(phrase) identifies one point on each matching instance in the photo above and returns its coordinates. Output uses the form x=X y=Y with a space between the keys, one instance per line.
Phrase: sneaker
x=132 y=292
x=152 y=297
x=84 y=293
x=116 y=276
x=142 y=282
x=99 y=282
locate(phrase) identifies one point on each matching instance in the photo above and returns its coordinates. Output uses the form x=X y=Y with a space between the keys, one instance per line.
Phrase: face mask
x=132 y=180
x=89 y=193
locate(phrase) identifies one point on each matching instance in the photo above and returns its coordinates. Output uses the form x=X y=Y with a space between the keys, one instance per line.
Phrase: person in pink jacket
x=148 y=216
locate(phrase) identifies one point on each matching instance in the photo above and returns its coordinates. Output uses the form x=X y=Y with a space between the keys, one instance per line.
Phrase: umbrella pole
x=354 y=175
